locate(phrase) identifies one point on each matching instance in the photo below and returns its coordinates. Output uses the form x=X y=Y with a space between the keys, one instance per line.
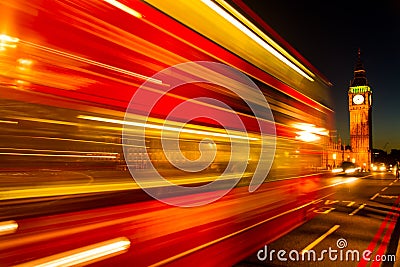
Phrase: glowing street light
x=334 y=159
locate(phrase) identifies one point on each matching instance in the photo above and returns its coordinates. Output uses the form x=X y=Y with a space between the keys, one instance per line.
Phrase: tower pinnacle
x=360 y=77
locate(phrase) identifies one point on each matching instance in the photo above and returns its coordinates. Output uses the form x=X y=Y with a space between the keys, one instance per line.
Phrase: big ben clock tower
x=360 y=102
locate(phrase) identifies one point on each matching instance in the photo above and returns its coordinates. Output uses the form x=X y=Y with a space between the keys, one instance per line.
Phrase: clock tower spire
x=360 y=103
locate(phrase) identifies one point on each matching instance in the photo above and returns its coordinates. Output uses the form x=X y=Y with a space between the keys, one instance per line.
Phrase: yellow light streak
x=64 y=190
x=83 y=255
x=8 y=227
x=81 y=141
x=3 y=46
x=254 y=28
x=73 y=124
x=65 y=123
x=163 y=127
x=340 y=181
x=46 y=191
x=56 y=155
x=59 y=151
x=124 y=8
x=254 y=37
x=48 y=121
x=350 y=180
x=74 y=140
x=9 y=122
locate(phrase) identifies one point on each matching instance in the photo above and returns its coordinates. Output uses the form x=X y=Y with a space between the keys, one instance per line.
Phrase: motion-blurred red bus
x=68 y=71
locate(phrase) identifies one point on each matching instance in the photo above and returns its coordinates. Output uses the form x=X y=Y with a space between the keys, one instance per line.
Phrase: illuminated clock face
x=358 y=99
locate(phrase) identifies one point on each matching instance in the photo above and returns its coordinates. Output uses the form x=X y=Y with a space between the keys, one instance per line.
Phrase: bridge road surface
x=360 y=217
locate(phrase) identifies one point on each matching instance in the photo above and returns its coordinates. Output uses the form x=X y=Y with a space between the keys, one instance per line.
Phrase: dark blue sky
x=328 y=34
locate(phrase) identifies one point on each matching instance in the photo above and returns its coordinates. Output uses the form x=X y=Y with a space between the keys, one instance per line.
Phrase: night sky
x=328 y=34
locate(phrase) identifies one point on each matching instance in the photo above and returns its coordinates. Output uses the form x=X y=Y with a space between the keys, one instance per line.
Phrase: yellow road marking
x=372 y=198
x=358 y=209
x=351 y=203
x=328 y=202
x=319 y=239
x=185 y=253
x=324 y=210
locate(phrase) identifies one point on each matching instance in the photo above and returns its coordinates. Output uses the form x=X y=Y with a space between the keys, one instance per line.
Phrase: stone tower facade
x=360 y=108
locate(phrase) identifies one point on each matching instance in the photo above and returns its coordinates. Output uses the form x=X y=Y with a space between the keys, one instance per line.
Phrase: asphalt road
x=356 y=226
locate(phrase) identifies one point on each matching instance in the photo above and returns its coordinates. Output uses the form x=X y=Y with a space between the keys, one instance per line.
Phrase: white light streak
x=84 y=255
x=60 y=151
x=7 y=41
x=25 y=62
x=311 y=128
x=337 y=170
x=9 y=122
x=124 y=8
x=350 y=170
x=260 y=33
x=56 y=155
x=257 y=39
x=307 y=136
x=165 y=128
x=6 y=38
x=8 y=227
